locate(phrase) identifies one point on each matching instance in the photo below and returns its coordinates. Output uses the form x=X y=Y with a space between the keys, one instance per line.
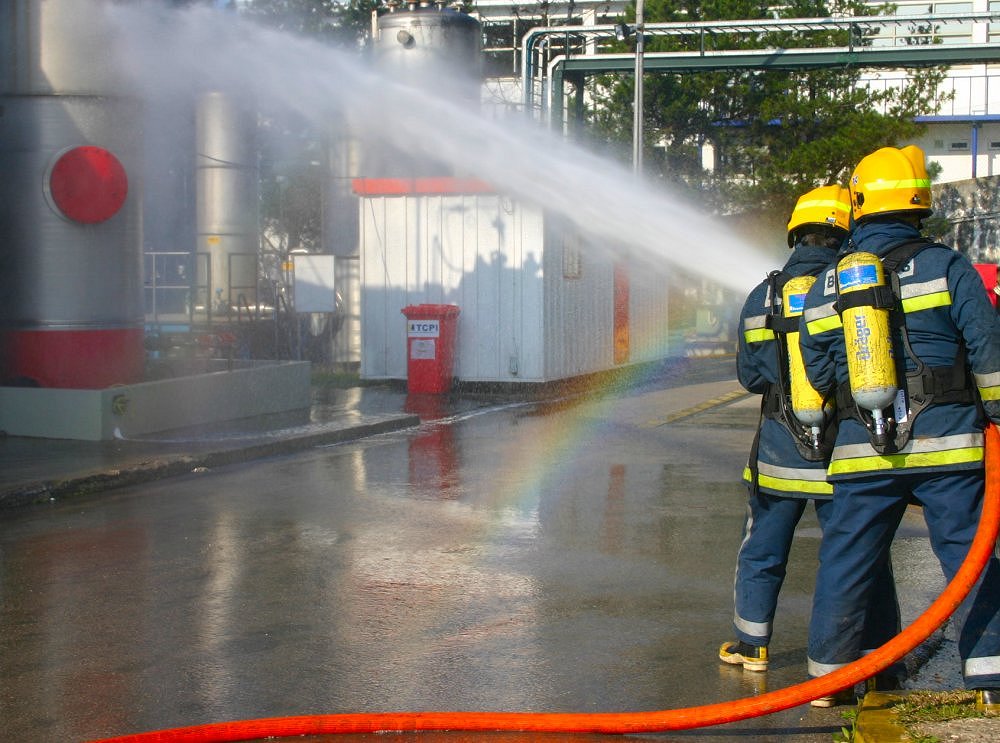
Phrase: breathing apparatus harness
x=776 y=403
x=925 y=385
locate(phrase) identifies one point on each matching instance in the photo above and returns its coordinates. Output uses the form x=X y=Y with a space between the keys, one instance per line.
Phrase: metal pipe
x=637 y=106
x=733 y=27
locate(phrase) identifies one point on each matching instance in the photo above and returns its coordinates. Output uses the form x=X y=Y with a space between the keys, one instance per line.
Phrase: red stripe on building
x=419 y=186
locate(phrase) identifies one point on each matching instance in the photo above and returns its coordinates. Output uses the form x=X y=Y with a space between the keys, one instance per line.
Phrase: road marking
x=700 y=408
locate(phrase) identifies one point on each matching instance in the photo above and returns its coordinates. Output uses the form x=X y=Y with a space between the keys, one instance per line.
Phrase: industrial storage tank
x=428 y=47
x=431 y=45
x=71 y=311
x=226 y=209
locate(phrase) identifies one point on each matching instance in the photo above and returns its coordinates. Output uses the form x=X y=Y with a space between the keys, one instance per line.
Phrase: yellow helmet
x=827 y=206
x=891 y=181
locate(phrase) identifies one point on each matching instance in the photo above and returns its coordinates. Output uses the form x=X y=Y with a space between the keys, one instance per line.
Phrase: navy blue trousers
x=860 y=528
x=761 y=568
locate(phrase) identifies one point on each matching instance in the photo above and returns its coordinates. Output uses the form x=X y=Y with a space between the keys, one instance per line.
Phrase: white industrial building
x=537 y=303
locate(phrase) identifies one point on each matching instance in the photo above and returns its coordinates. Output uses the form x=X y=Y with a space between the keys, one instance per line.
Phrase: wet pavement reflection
x=518 y=558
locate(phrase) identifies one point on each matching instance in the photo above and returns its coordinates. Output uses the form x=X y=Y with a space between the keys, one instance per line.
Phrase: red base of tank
x=74 y=359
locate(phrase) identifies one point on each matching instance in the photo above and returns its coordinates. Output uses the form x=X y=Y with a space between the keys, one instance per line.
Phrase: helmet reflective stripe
x=881 y=185
x=831 y=205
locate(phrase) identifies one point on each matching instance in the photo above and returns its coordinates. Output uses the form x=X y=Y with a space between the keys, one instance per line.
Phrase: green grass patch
x=936 y=706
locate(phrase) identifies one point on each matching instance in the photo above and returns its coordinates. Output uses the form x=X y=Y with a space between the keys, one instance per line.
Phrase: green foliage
x=292 y=156
x=847 y=731
x=332 y=21
x=774 y=134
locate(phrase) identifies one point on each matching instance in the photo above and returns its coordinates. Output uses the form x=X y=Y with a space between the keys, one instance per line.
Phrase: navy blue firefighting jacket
x=947 y=317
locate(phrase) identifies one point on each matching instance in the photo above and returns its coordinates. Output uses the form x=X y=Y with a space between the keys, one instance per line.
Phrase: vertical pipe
x=638 y=105
x=975 y=148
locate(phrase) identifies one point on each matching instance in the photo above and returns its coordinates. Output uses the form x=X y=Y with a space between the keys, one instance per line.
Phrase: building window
x=962 y=146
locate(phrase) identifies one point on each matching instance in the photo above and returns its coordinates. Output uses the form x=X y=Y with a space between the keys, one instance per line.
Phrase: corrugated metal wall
x=480 y=252
x=537 y=300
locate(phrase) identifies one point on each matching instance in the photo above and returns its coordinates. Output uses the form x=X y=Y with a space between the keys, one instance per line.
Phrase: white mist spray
x=171 y=52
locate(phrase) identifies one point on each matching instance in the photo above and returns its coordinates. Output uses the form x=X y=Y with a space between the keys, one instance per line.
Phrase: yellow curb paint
x=877 y=723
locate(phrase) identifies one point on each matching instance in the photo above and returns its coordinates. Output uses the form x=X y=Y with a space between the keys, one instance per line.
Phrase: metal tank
x=431 y=45
x=226 y=208
x=341 y=239
x=71 y=310
x=434 y=49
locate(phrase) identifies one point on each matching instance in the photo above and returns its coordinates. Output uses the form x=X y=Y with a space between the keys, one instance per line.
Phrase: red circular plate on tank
x=88 y=184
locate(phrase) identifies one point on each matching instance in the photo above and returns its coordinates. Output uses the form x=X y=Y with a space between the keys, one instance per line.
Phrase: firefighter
x=940 y=360
x=787 y=463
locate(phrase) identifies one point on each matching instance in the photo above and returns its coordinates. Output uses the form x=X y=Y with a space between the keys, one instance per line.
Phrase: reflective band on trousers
x=754 y=629
x=790 y=479
x=989 y=385
x=755 y=329
x=815 y=668
x=962 y=448
x=988 y=666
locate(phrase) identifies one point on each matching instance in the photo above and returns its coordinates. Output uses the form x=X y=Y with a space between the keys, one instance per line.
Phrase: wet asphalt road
x=574 y=555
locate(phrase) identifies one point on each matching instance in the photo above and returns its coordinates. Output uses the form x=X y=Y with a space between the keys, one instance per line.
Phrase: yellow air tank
x=807 y=403
x=870 y=362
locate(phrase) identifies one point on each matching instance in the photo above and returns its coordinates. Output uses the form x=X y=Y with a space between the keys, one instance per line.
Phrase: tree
x=342 y=23
x=774 y=134
x=292 y=150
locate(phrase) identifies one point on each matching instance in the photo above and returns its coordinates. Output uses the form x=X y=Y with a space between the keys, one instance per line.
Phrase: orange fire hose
x=632 y=722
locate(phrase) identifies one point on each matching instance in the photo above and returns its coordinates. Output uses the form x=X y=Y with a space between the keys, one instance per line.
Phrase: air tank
x=71 y=311
x=226 y=208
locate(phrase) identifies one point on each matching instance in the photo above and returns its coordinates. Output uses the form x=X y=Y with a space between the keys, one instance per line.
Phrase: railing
x=178 y=285
x=918 y=33
x=169 y=288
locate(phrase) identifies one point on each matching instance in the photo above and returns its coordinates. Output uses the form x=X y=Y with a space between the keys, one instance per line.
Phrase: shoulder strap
x=777 y=401
x=902 y=254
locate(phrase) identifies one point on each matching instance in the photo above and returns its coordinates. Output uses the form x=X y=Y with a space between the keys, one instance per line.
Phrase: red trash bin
x=431 y=330
x=988 y=271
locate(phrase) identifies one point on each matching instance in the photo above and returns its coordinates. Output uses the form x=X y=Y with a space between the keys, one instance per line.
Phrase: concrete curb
x=178 y=464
